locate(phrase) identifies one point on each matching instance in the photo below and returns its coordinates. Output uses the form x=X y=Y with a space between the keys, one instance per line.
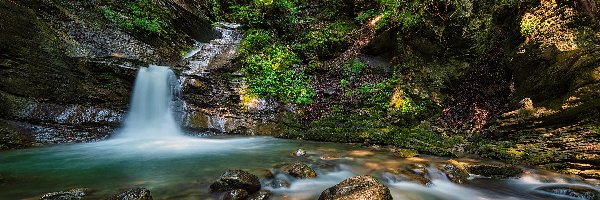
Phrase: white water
x=150 y=115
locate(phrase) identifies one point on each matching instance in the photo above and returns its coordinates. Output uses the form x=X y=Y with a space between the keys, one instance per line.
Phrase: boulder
x=455 y=171
x=72 y=194
x=236 y=179
x=576 y=191
x=260 y=195
x=237 y=194
x=133 y=194
x=495 y=171
x=299 y=170
x=358 y=187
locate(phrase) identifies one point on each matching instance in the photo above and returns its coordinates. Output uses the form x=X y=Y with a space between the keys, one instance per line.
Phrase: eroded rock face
x=358 y=187
x=133 y=194
x=299 y=170
x=236 y=179
x=72 y=194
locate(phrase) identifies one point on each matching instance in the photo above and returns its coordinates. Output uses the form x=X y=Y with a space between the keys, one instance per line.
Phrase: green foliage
x=139 y=16
x=248 y=15
x=530 y=24
x=403 y=13
x=270 y=73
x=322 y=41
x=256 y=40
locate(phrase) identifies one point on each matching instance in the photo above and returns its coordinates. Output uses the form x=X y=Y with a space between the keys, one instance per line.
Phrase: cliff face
x=67 y=67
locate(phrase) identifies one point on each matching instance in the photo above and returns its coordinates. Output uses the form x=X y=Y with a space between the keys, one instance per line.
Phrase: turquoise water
x=183 y=167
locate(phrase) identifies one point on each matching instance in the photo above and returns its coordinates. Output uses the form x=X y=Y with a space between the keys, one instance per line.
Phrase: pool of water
x=183 y=168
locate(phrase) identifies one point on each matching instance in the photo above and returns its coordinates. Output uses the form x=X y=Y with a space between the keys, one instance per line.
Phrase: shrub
x=269 y=73
x=139 y=16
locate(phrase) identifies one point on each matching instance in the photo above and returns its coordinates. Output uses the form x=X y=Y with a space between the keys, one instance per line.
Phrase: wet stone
x=133 y=194
x=280 y=183
x=236 y=179
x=576 y=191
x=358 y=187
x=260 y=195
x=237 y=194
x=72 y=194
x=299 y=170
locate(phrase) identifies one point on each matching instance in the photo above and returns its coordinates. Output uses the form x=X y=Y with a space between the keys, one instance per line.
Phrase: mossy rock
x=299 y=170
x=456 y=171
x=495 y=171
x=405 y=153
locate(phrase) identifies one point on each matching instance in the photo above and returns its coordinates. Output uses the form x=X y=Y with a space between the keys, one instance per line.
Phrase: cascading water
x=150 y=115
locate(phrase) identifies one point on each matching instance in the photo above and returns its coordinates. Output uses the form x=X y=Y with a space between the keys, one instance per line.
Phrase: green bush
x=270 y=73
x=323 y=41
x=139 y=16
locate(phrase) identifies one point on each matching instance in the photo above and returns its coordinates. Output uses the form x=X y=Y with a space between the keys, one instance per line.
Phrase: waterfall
x=150 y=115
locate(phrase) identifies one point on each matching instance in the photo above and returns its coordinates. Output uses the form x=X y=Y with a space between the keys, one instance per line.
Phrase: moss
x=11 y=105
x=406 y=153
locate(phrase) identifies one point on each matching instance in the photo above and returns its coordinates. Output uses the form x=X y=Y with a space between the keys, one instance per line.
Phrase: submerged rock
x=358 y=187
x=236 y=179
x=72 y=194
x=260 y=195
x=495 y=171
x=577 y=191
x=237 y=194
x=299 y=170
x=455 y=171
x=399 y=175
x=279 y=183
x=133 y=194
